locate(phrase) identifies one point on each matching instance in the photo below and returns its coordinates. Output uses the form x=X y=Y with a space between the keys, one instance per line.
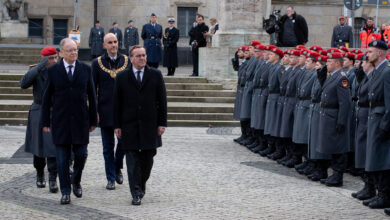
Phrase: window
x=185 y=18
x=60 y=30
x=35 y=27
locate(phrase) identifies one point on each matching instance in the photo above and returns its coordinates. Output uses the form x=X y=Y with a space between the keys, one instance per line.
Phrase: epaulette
x=343 y=73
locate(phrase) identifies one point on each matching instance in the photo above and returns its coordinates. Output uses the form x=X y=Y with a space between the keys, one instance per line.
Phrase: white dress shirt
x=66 y=66
x=141 y=74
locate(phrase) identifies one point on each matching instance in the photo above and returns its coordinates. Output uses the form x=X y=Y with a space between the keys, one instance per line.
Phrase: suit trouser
x=40 y=163
x=112 y=161
x=63 y=157
x=195 y=61
x=139 y=166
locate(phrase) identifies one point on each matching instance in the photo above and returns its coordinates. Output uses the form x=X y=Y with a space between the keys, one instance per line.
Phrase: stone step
x=199 y=116
x=174 y=79
x=35 y=53
x=9 y=83
x=193 y=86
x=202 y=93
x=16 y=60
x=14 y=114
x=200 y=99
x=201 y=123
x=13 y=121
x=15 y=90
x=16 y=96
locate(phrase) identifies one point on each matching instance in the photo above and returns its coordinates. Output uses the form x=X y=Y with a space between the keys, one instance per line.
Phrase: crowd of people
x=313 y=109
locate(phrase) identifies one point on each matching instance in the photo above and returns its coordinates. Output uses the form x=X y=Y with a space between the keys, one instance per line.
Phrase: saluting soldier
x=37 y=142
x=378 y=126
x=117 y=32
x=96 y=36
x=131 y=36
x=342 y=34
x=334 y=119
x=152 y=34
x=104 y=70
x=171 y=37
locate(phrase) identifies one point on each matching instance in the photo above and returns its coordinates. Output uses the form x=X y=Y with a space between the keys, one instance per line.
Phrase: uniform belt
x=315 y=101
x=335 y=106
x=376 y=104
x=152 y=37
x=344 y=41
x=273 y=92
x=364 y=104
x=257 y=87
x=304 y=98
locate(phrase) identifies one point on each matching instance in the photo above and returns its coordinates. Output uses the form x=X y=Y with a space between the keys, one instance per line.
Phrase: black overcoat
x=96 y=38
x=152 y=42
x=170 y=39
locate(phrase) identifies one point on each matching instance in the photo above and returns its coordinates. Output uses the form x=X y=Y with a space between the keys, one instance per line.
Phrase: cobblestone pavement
x=199 y=173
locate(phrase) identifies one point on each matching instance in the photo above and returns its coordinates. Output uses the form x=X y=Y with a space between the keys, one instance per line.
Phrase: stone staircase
x=17 y=55
x=191 y=101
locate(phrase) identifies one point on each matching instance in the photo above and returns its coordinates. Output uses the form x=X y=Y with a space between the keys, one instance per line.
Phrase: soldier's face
x=367 y=66
x=293 y=60
x=116 y=25
x=373 y=54
x=318 y=65
x=131 y=24
x=97 y=25
x=357 y=63
x=52 y=59
x=138 y=58
x=111 y=44
x=342 y=21
x=286 y=60
x=266 y=55
x=258 y=54
x=240 y=54
x=302 y=60
x=153 y=19
x=331 y=65
x=171 y=24
x=347 y=63
x=310 y=64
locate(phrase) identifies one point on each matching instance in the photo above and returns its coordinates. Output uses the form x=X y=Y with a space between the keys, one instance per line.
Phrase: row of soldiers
x=313 y=109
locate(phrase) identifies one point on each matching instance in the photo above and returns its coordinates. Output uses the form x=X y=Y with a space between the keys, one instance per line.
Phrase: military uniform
x=240 y=89
x=118 y=34
x=342 y=34
x=96 y=38
x=246 y=104
x=171 y=37
x=131 y=38
x=273 y=97
x=152 y=34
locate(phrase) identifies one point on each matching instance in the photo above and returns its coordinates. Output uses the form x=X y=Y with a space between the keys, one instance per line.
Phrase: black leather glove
x=340 y=128
x=321 y=75
x=384 y=135
x=359 y=73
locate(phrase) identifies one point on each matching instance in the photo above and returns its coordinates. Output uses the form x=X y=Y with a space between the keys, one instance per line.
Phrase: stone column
x=240 y=21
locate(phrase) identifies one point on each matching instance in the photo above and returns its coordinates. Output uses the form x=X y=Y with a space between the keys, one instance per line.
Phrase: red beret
x=270 y=47
x=333 y=50
x=335 y=55
x=322 y=58
x=287 y=51
x=245 y=48
x=342 y=48
x=323 y=52
x=278 y=52
x=254 y=43
x=359 y=56
x=260 y=47
x=316 y=48
x=47 y=51
x=356 y=51
x=388 y=57
x=300 y=47
x=350 y=55
x=312 y=54
x=295 y=52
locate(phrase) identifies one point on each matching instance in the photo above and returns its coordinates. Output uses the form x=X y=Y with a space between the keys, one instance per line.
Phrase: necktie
x=329 y=73
x=70 y=72
x=139 y=77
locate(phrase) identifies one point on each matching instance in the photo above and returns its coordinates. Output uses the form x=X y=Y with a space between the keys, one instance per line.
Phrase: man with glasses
x=39 y=143
x=140 y=118
x=71 y=94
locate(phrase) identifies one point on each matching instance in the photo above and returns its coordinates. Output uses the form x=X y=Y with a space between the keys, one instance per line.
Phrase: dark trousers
x=40 y=163
x=171 y=71
x=195 y=61
x=381 y=180
x=112 y=161
x=299 y=150
x=339 y=162
x=151 y=64
x=246 y=124
x=139 y=166
x=63 y=157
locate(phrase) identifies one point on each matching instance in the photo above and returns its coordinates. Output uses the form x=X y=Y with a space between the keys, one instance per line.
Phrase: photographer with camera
x=197 y=39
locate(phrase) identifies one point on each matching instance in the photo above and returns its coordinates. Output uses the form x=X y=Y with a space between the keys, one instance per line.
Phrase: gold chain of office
x=112 y=72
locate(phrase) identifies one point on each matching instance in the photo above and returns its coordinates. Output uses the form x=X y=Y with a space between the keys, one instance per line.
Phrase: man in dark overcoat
x=117 y=32
x=96 y=40
x=171 y=36
x=104 y=70
x=71 y=93
x=197 y=39
x=39 y=143
x=334 y=119
x=131 y=36
x=378 y=126
x=152 y=34
x=140 y=118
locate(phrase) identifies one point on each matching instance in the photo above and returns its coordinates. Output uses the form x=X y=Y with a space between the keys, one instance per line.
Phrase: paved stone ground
x=199 y=173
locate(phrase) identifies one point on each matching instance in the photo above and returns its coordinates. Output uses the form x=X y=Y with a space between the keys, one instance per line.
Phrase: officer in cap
x=152 y=34
x=342 y=34
x=117 y=32
x=131 y=36
x=171 y=37
x=96 y=36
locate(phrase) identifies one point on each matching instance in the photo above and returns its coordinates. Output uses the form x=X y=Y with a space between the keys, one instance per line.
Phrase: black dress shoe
x=239 y=139
x=110 y=185
x=367 y=192
x=301 y=166
x=119 y=177
x=318 y=175
x=293 y=161
x=53 y=186
x=253 y=145
x=368 y=201
x=65 y=199
x=387 y=211
x=136 y=200
x=283 y=159
x=335 y=180
x=41 y=183
x=77 y=190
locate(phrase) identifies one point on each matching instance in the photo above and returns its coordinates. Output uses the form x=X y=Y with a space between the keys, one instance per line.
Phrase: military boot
x=309 y=169
x=368 y=201
x=253 y=145
x=367 y=192
x=295 y=160
x=318 y=175
x=239 y=139
x=301 y=166
x=53 y=182
x=382 y=201
x=336 y=179
x=387 y=211
x=270 y=149
x=41 y=183
x=279 y=153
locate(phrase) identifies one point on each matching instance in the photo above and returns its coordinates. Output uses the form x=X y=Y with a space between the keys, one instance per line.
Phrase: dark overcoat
x=73 y=102
x=140 y=109
x=246 y=103
x=37 y=142
x=352 y=85
x=104 y=71
x=280 y=103
x=130 y=38
x=240 y=89
x=378 y=152
x=96 y=39
x=152 y=42
x=335 y=111
x=171 y=37
x=302 y=108
x=273 y=96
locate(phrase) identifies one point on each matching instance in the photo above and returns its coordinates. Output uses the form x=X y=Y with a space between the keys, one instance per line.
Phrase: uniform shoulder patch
x=343 y=73
x=344 y=82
